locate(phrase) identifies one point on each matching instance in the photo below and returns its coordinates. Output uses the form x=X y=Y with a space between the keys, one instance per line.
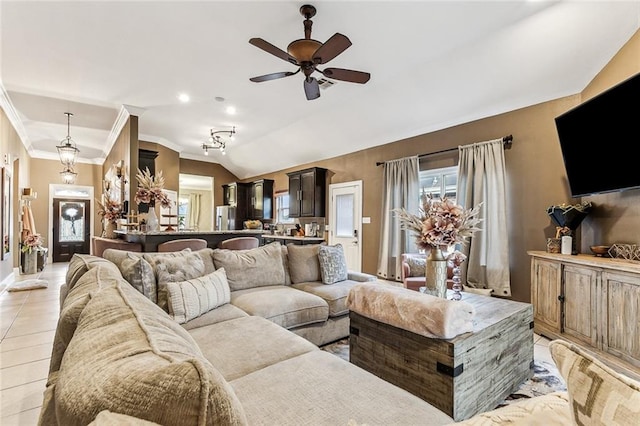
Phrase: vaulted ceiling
x=433 y=64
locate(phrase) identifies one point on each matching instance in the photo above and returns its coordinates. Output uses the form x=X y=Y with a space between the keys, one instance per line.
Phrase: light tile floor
x=27 y=325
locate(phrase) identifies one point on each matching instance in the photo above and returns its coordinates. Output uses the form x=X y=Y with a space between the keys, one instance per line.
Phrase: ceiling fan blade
x=337 y=44
x=346 y=75
x=311 y=88
x=270 y=48
x=272 y=76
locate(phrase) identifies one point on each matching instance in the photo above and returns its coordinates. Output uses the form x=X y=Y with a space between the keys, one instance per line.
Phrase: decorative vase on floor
x=436 y=273
x=152 y=220
x=30 y=262
x=109 y=229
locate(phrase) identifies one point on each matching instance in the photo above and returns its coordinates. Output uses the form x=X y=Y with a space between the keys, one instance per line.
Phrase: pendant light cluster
x=68 y=153
x=217 y=142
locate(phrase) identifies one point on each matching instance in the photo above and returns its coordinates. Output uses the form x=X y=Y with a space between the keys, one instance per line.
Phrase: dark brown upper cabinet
x=307 y=189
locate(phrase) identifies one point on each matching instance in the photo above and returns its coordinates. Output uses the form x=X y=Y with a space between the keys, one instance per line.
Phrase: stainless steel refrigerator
x=227 y=218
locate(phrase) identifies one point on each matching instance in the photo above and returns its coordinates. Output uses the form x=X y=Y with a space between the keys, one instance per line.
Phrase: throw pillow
x=191 y=298
x=417 y=266
x=139 y=273
x=174 y=269
x=304 y=265
x=597 y=394
x=333 y=264
x=257 y=267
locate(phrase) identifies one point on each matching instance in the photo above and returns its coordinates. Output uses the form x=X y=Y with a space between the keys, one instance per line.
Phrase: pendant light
x=68 y=175
x=67 y=149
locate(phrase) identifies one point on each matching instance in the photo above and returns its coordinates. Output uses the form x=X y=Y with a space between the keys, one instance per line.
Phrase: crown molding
x=14 y=119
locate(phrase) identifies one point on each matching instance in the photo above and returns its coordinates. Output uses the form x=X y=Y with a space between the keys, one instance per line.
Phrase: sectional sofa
x=202 y=338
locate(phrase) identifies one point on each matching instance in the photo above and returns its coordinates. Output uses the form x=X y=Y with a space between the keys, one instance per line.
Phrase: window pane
x=439 y=183
x=72 y=223
x=282 y=208
x=344 y=211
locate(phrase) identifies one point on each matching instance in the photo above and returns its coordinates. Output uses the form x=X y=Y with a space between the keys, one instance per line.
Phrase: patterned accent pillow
x=597 y=394
x=139 y=273
x=192 y=298
x=333 y=264
x=175 y=269
x=417 y=266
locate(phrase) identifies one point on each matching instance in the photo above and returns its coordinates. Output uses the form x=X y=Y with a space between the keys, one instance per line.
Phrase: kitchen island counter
x=150 y=240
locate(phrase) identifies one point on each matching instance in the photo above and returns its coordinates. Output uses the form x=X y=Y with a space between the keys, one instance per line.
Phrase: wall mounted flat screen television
x=599 y=139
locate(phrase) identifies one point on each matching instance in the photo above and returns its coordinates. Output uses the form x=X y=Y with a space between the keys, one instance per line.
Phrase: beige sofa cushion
x=283 y=305
x=251 y=268
x=327 y=390
x=229 y=350
x=108 y=418
x=222 y=313
x=304 y=265
x=79 y=265
x=191 y=298
x=597 y=394
x=99 y=276
x=128 y=356
x=335 y=294
x=548 y=410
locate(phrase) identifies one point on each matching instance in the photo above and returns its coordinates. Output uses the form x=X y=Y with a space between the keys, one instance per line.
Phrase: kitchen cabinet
x=307 y=192
x=234 y=193
x=592 y=301
x=261 y=200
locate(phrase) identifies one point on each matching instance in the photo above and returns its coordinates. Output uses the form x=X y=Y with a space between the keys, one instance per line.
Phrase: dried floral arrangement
x=151 y=189
x=440 y=223
x=31 y=241
x=109 y=209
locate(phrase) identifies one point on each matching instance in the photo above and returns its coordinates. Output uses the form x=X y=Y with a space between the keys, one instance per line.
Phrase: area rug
x=546 y=378
x=30 y=284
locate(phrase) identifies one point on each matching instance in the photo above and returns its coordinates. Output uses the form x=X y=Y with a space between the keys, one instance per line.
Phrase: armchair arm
x=360 y=276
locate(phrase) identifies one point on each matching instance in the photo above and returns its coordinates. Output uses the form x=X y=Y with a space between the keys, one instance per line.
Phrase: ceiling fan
x=307 y=54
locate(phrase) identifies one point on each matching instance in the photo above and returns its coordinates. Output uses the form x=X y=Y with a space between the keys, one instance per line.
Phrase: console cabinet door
x=545 y=289
x=621 y=316
x=579 y=307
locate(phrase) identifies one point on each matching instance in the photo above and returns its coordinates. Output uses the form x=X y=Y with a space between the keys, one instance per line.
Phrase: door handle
x=355 y=233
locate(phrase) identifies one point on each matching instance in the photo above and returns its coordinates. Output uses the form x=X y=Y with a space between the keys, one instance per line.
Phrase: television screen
x=598 y=140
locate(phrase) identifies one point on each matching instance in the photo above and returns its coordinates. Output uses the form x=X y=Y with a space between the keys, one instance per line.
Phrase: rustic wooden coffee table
x=463 y=376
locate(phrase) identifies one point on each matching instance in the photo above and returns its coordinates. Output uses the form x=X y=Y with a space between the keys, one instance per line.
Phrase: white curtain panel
x=194 y=210
x=482 y=179
x=400 y=188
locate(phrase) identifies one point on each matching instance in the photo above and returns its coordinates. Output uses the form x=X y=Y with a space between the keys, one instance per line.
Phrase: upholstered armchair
x=413 y=271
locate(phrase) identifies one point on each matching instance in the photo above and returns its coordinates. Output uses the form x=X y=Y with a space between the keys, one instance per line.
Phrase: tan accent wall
x=20 y=168
x=48 y=172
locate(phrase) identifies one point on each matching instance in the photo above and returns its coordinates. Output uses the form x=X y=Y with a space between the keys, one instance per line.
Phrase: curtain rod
x=507 y=141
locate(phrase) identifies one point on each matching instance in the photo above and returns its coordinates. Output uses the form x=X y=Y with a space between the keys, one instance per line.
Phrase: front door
x=71 y=228
x=345 y=225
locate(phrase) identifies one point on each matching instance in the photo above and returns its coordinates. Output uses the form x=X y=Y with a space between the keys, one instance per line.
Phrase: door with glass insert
x=71 y=233
x=345 y=222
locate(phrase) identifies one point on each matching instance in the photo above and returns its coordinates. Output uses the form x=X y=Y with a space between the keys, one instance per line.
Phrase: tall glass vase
x=152 y=220
x=436 y=273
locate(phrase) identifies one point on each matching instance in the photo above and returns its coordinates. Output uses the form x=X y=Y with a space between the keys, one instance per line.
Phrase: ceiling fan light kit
x=307 y=54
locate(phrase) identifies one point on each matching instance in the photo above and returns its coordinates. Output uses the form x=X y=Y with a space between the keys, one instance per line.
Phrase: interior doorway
x=345 y=222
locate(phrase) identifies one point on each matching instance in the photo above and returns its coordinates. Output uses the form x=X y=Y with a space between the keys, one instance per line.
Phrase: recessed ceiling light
x=219 y=98
x=231 y=110
x=183 y=97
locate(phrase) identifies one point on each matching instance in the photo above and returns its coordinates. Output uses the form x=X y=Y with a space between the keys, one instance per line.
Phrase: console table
x=592 y=301
x=463 y=376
